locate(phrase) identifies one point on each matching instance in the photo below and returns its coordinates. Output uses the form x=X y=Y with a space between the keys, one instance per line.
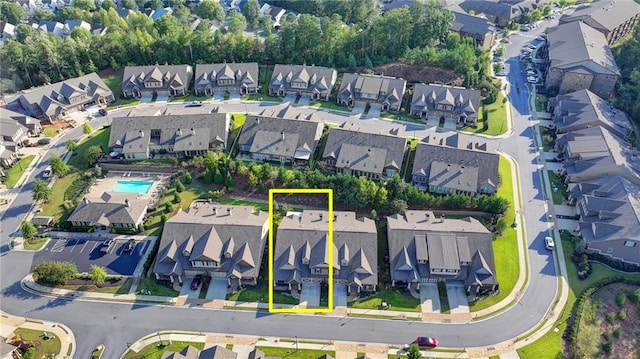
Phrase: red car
x=428 y=342
x=195 y=283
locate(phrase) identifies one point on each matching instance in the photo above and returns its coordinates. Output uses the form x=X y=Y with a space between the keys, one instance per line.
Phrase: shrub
x=617 y=332
x=622 y=314
x=611 y=317
x=176 y=198
x=179 y=186
x=163 y=217
x=607 y=347
x=634 y=296
x=54 y=273
x=29 y=353
x=260 y=187
x=168 y=208
x=188 y=178
x=620 y=299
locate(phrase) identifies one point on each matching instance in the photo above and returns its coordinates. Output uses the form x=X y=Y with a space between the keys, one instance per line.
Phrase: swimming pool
x=133 y=186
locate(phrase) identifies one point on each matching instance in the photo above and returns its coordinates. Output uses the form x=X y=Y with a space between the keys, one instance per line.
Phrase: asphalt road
x=116 y=324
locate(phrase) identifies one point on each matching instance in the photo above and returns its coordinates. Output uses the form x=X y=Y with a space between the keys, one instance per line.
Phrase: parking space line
x=83 y=247
x=75 y=241
x=97 y=243
x=59 y=245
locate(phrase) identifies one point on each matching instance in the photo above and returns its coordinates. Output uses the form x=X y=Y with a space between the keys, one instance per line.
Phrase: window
x=317 y=270
x=630 y=243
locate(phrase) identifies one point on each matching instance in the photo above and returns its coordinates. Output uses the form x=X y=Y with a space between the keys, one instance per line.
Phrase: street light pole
x=296 y=343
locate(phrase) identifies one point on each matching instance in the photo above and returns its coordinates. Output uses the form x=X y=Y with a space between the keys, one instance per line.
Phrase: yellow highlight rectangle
x=329 y=193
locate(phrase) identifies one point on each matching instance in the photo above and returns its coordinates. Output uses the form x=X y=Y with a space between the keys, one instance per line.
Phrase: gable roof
x=464 y=101
x=384 y=88
x=324 y=78
x=605 y=14
x=110 y=208
x=232 y=236
x=243 y=74
x=576 y=45
x=183 y=132
x=493 y=9
x=171 y=76
x=304 y=235
x=362 y=148
x=470 y=24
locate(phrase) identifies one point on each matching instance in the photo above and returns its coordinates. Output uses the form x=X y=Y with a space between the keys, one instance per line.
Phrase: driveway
x=162 y=98
x=186 y=288
x=235 y=96
x=450 y=124
x=357 y=109
x=146 y=98
x=374 y=111
x=457 y=298
x=218 y=96
x=429 y=298
x=86 y=252
x=304 y=100
x=289 y=99
x=310 y=294
x=433 y=121
x=339 y=295
x=217 y=289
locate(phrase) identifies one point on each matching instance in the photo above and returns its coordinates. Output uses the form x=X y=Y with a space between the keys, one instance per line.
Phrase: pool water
x=133 y=186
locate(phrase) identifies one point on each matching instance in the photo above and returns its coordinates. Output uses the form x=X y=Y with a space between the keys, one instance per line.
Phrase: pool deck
x=108 y=183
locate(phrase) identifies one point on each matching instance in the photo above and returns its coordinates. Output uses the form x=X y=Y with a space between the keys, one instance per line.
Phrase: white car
x=501 y=73
x=532 y=79
x=548 y=243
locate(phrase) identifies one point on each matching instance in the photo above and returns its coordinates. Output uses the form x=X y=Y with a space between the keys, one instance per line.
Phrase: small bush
x=607 y=335
x=620 y=299
x=611 y=317
x=617 y=332
x=634 y=296
x=179 y=186
x=607 y=347
x=188 y=178
x=622 y=314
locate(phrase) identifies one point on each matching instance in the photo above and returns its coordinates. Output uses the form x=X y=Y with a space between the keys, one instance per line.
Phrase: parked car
x=548 y=243
x=107 y=244
x=427 y=342
x=44 y=141
x=130 y=245
x=195 y=104
x=525 y=28
x=195 y=283
x=102 y=112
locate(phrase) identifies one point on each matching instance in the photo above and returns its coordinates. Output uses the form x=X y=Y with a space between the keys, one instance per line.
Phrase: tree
x=179 y=186
x=72 y=146
x=12 y=13
x=414 y=352
x=501 y=225
x=87 y=5
x=251 y=12
x=97 y=170
x=98 y=275
x=54 y=273
x=188 y=178
x=41 y=191
x=108 y=4
x=265 y=24
x=210 y=9
x=177 y=198
x=58 y=167
x=28 y=230
x=237 y=23
x=352 y=62
x=86 y=128
x=93 y=155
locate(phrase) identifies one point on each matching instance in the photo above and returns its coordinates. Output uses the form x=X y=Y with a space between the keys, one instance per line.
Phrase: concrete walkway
x=9 y=323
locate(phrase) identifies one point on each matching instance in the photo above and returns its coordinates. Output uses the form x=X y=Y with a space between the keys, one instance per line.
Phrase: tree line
x=418 y=35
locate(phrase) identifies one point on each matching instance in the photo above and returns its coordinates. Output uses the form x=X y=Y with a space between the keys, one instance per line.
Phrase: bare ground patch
x=417 y=73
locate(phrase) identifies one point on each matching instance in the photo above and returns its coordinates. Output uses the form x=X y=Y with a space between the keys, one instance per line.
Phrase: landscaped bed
x=155 y=350
x=36 y=338
x=292 y=353
x=118 y=285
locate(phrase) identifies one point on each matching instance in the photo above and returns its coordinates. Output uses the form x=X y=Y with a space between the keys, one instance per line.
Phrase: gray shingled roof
x=449 y=242
x=110 y=208
x=318 y=79
x=576 y=44
x=364 y=148
x=209 y=231
x=217 y=352
x=176 y=130
x=471 y=24
x=606 y=13
x=384 y=88
x=176 y=76
x=583 y=108
x=454 y=163
x=26 y=121
x=280 y=136
x=242 y=73
x=427 y=97
x=55 y=98
x=305 y=236
x=492 y=8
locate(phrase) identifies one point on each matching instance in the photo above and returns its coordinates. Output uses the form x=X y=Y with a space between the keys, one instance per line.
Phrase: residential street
x=116 y=324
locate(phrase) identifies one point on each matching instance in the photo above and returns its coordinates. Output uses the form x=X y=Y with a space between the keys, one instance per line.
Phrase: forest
x=339 y=36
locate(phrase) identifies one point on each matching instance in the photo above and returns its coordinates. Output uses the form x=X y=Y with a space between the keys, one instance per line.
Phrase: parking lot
x=86 y=252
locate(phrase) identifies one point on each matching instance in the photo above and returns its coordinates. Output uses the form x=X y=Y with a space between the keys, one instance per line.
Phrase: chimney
x=448 y=167
x=193 y=132
x=229 y=211
x=428 y=216
x=141 y=133
x=126 y=202
x=257 y=120
x=179 y=132
x=282 y=135
x=461 y=169
x=335 y=217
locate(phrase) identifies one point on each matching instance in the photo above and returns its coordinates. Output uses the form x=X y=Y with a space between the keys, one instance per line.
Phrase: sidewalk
x=10 y=323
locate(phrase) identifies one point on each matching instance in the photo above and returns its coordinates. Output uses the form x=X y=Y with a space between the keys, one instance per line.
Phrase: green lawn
x=329 y=105
x=541 y=102
x=560 y=188
x=496 y=123
x=292 y=353
x=44 y=348
x=548 y=138
x=50 y=132
x=238 y=119
x=242 y=202
x=187 y=98
x=150 y=284
x=55 y=206
x=505 y=248
x=155 y=350
x=14 y=173
x=122 y=289
x=261 y=97
x=114 y=82
x=35 y=243
x=260 y=293
x=550 y=345
x=98 y=138
x=396 y=299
